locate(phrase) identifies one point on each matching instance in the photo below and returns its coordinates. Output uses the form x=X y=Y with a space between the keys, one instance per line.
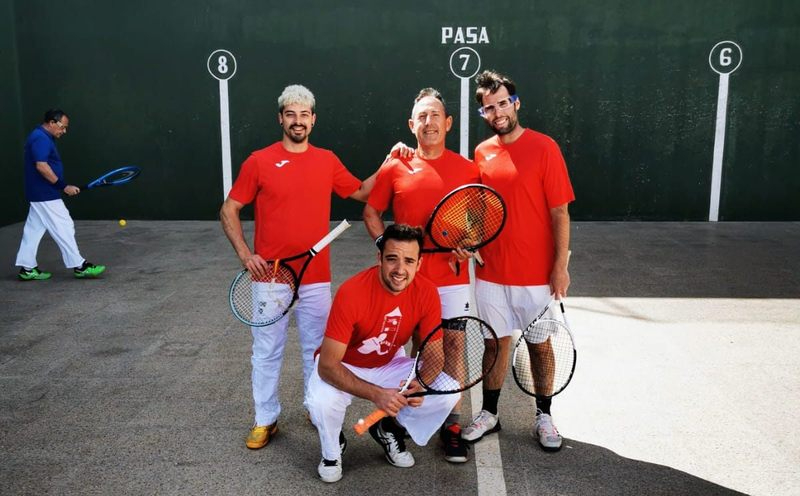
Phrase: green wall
x=624 y=87
x=13 y=207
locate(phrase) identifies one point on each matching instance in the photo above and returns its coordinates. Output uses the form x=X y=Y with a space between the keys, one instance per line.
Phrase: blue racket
x=115 y=177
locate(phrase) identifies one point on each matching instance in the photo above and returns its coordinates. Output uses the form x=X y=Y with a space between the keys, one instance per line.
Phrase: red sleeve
x=430 y=310
x=344 y=183
x=342 y=317
x=381 y=195
x=557 y=186
x=245 y=187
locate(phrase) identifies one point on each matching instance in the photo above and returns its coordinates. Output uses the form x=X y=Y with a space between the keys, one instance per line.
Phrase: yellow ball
x=122 y=222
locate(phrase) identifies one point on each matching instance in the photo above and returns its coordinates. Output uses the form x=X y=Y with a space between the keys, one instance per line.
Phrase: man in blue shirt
x=44 y=183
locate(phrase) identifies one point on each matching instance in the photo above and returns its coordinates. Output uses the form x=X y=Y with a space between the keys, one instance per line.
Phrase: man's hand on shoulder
x=400 y=150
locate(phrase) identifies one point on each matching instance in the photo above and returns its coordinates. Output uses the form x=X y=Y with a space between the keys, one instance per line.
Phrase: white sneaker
x=484 y=423
x=330 y=470
x=393 y=444
x=546 y=433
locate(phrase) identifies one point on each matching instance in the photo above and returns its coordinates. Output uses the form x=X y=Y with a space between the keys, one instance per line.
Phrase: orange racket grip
x=275 y=269
x=368 y=421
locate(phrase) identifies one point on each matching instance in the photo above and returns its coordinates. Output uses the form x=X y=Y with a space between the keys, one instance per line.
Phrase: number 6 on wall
x=725 y=57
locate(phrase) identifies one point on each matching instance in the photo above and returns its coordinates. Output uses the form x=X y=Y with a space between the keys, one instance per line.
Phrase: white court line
x=488 y=460
x=719 y=148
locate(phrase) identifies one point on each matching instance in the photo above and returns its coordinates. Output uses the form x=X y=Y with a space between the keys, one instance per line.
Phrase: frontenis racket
x=261 y=302
x=545 y=355
x=114 y=177
x=449 y=360
x=469 y=217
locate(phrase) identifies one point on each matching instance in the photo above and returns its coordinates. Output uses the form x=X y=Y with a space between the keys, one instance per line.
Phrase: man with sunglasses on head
x=44 y=185
x=526 y=266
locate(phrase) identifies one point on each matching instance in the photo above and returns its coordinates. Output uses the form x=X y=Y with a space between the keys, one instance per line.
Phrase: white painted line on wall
x=222 y=66
x=225 y=130
x=719 y=148
x=465 y=62
x=464 y=119
x=725 y=57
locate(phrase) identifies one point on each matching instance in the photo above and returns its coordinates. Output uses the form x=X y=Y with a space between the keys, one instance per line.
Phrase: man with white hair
x=291 y=182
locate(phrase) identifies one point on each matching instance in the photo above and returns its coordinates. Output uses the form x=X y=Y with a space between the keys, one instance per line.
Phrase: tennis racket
x=450 y=360
x=469 y=217
x=545 y=355
x=261 y=302
x=115 y=177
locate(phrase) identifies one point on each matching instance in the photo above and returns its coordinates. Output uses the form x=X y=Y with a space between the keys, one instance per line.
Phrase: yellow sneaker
x=260 y=435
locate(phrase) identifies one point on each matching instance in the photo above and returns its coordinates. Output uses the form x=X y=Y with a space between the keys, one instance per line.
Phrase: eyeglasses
x=61 y=126
x=501 y=105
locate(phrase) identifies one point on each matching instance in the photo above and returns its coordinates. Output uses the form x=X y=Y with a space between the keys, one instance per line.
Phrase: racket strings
x=120 y=176
x=457 y=363
x=544 y=358
x=264 y=301
x=469 y=218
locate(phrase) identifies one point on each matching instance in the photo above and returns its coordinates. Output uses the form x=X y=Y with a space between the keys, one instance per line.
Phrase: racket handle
x=330 y=236
x=364 y=424
x=478 y=258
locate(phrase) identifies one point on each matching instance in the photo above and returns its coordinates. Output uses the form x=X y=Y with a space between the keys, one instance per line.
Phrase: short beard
x=505 y=130
x=296 y=139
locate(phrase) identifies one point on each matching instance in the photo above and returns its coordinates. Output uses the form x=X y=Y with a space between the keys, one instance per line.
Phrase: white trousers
x=52 y=217
x=311 y=313
x=327 y=405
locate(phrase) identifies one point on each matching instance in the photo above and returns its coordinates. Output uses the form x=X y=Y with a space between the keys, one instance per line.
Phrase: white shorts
x=455 y=300
x=506 y=308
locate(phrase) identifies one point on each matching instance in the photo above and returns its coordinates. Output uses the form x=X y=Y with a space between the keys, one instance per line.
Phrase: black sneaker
x=455 y=448
x=391 y=439
x=342 y=443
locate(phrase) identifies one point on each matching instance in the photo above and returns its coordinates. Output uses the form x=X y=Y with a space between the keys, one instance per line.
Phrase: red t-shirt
x=292 y=192
x=374 y=323
x=531 y=176
x=413 y=188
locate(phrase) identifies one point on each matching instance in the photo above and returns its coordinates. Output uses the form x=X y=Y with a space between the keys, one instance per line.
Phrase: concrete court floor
x=688 y=378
